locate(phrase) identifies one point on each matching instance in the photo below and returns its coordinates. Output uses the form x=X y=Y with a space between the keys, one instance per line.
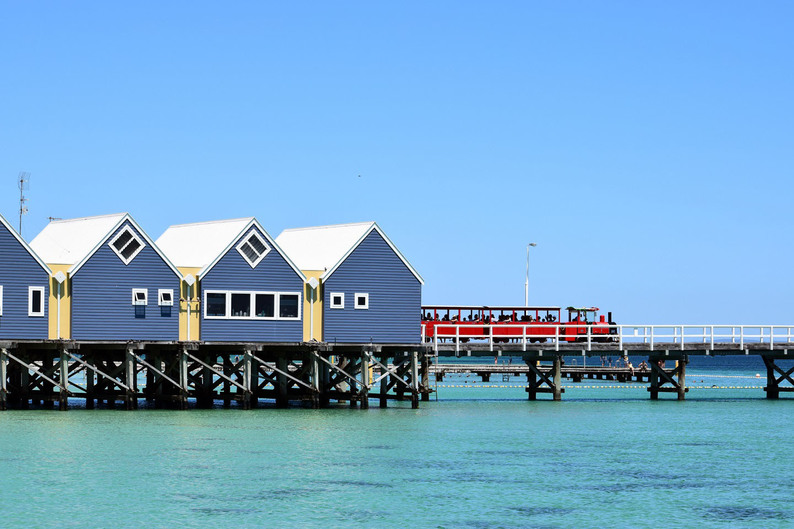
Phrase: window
x=35 y=301
x=265 y=305
x=337 y=300
x=362 y=301
x=241 y=305
x=126 y=245
x=140 y=296
x=215 y=304
x=252 y=305
x=165 y=297
x=1 y=300
x=253 y=248
x=288 y=306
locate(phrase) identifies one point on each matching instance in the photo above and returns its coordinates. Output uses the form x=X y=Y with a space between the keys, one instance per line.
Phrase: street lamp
x=526 y=283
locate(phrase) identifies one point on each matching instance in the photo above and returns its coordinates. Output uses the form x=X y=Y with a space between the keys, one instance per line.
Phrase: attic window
x=253 y=248
x=126 y=245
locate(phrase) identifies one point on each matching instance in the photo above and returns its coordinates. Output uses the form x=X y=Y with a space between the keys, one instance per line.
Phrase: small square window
x=362 y=301
x=140 y=296
x=35 y=301
x=253 y=248
x=165 y=297
x=337 y=300
x=126 y=245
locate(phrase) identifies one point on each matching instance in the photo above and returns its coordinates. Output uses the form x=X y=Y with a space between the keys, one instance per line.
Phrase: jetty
x=666 y=347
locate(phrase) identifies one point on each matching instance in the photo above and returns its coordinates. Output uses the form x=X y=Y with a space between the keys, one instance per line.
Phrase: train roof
x=488 y=307
x=583 y=309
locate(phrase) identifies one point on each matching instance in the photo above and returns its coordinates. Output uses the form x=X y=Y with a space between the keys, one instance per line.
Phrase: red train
x=503 y=324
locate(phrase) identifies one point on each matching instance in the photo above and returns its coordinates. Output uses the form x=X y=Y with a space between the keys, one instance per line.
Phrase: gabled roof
x=327 y=247
x=203 y=244
x=74 y=241
x=25 y=245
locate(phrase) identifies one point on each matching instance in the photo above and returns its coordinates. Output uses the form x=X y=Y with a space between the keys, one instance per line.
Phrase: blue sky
x=647 y=148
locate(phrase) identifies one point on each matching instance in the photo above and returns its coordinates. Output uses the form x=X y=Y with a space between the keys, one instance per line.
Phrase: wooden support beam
x=385 y=382
x=63 y=394
x=365 y=378
x=414 y=379
x=3 y=379
x=247 y=377
x=130 y=399
x=425 y=377
x=557 y=387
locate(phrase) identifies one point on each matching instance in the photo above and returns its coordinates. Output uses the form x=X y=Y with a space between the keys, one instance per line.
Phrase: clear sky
x=646 y=147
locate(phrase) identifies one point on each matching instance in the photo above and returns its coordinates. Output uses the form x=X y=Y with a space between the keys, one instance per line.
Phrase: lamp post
x=526 y=283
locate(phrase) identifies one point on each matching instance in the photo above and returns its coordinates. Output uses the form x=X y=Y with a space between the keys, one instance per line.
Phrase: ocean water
x=481 y=456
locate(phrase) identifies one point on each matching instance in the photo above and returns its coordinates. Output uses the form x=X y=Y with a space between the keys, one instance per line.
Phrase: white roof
x=202 y=244
x=326 y=247
x=70 y=241
x=25 y=245
x=199 y=244
x=74 y=241
x=321 y=247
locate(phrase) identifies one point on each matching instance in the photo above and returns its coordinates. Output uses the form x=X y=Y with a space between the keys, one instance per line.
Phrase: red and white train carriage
x=506 y=323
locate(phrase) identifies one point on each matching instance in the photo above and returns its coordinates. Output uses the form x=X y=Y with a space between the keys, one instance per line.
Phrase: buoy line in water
x=483 y=386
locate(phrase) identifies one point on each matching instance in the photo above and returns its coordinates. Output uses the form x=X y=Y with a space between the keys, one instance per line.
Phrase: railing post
x=620 y=337
x=771 y=337
x=524 y=327
x=557 y=337
x=457 y=338
x=589 y=337
x=741 y=336
x=652 y=327
x=682 y=337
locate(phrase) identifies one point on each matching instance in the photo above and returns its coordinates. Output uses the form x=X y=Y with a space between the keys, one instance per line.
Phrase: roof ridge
x=247 y=219
x=62 y=221
x=327 y=226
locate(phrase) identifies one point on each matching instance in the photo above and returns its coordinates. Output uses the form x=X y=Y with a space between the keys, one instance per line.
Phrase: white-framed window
x=337 y=300
x=140 y=296
x=236 y=305
x=126 y=245
x=253 y=248
x=361 y=300
x=1 y=300
x=36 y=301
x=165 y=297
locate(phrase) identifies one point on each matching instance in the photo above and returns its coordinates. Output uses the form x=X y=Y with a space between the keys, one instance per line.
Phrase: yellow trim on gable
x=313 y=307
x=65 y=304
x=191 y=293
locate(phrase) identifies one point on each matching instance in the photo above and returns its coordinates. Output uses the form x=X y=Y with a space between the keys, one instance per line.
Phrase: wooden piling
x=365 y=380
x=3 y=379
x=557 y=389
x=414 y=380
x=63 y=394
x=282 y=397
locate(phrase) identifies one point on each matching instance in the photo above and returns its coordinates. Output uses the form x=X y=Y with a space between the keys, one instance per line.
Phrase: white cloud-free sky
x=647 y=148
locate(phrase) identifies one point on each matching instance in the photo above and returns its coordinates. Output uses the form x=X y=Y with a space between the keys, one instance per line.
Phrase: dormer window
x=126 y=245
x=253 y=248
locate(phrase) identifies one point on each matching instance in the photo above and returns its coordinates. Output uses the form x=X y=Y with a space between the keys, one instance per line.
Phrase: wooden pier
x=179 y=374
x=544 y=364
x=573 y=373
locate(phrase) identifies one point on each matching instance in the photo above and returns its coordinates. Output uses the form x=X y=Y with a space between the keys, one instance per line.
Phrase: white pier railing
x=740 y=336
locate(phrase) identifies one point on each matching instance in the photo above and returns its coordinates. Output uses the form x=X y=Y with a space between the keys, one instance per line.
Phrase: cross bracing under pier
x=179 y=374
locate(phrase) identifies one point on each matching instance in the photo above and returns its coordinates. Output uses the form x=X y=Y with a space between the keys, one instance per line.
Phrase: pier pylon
x=544 y=378
x=660 y=376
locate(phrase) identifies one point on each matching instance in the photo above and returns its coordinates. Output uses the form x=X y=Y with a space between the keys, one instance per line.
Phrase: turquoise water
x=479 y=457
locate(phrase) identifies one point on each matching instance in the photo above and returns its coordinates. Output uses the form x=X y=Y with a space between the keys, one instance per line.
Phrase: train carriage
x=503 y=324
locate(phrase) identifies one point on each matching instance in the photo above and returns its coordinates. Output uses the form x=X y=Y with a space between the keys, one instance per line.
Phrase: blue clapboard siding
x=395 y=297
x=102 y=306
x=272 y=274
x=18 y=271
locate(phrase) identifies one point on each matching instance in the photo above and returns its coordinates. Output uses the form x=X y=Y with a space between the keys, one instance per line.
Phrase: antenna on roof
x=24 y=184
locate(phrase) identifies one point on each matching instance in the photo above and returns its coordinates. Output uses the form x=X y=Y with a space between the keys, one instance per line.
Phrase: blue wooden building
x=115 y=283
x=24 y=288
x=239 y=286
x=365 y=290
